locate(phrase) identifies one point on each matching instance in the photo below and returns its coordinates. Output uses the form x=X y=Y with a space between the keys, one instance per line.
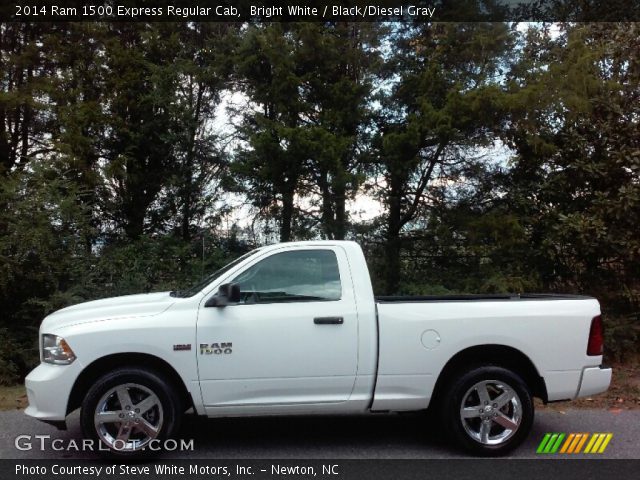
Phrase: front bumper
x=48 y=390
x=594 y=380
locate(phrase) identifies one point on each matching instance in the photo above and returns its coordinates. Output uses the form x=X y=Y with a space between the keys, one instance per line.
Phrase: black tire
x=466 y=387
x=140 y=384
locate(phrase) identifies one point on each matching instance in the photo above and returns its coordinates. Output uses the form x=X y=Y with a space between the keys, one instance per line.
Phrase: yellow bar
x=596 y=446
x=574 y=443
x=567 y=442
x=606 y=442
x=591 y=442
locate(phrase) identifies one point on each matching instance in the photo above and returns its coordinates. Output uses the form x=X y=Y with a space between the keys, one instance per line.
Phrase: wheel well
x=110 y=362
x=499 y=355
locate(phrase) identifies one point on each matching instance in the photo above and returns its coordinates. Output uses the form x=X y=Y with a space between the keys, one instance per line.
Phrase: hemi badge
x=182 y=346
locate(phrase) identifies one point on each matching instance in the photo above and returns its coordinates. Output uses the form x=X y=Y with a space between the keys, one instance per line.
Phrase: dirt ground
x=12 y=398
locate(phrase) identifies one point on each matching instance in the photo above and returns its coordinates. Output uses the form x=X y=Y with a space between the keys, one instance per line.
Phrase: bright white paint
x=384 y=356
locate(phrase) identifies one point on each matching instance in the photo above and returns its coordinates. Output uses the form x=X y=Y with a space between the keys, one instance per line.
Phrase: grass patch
x=13 y=398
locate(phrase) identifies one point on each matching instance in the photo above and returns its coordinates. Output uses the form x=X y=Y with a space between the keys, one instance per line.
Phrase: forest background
x=463 y=157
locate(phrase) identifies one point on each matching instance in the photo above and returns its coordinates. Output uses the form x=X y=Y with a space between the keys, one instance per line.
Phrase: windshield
x=191 y=291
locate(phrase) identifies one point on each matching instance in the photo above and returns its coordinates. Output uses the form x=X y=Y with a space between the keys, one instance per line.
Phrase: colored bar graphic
x=550 y=443
x=606 y=442
x=581 y=443
x=543 y=443
x=567 y=442
x=555 y=443
x=596 y=446
x=555 y=447
x=591 y=442
x=573 y=445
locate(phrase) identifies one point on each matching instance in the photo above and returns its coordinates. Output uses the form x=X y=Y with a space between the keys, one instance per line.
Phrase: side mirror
x=228 y=294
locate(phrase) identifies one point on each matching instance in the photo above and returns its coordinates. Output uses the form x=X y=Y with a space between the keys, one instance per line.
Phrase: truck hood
x=127 y=306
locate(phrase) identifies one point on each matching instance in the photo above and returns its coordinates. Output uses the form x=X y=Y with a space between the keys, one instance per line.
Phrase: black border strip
x=321 y=10
x=462 y=469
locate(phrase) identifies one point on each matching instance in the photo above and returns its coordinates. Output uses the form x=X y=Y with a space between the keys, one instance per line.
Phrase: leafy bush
x=9 y=370
x=622 y=336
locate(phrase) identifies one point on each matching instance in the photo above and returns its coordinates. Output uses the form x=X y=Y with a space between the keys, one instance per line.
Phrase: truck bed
x=477 y=297
x=418 y=335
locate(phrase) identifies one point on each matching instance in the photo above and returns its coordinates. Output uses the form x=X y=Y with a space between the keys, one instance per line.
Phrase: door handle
x=328 y=320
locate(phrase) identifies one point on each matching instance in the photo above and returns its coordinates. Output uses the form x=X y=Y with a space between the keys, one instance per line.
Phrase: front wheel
x=488 y=410
x=128 y=409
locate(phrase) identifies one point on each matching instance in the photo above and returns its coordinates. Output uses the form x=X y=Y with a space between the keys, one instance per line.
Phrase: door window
x=295 y=276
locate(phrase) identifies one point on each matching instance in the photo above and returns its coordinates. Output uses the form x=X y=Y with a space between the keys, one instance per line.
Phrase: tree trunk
x=393 y=242
x=287 y=214
x=188 y=193
x=340 y=222
x=134 y=226
x=326 y=218
x=334 y=215
x=26 y=124
x=135 y=199
x=4 y=142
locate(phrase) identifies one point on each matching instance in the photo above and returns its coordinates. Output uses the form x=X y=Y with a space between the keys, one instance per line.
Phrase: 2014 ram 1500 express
x=295 y=328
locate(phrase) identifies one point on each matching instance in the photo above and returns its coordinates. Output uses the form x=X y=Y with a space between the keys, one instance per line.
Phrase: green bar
x=543 y=443
x=558 y=443
x=547 y=449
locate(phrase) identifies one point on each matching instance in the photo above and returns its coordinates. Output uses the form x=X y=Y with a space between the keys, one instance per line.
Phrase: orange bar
x=567 y=442
x=574 y=443
x=584 y=439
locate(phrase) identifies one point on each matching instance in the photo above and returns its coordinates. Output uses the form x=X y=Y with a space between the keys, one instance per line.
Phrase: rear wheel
x=488 y=410
x=129 y=408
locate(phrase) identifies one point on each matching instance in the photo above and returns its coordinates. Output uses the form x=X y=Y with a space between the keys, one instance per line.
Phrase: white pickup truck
x=294 y=328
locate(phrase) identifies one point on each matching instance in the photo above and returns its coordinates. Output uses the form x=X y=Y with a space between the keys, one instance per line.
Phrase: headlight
x=56 y=350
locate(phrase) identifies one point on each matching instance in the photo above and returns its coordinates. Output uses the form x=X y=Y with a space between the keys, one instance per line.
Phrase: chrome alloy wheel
x=128 y=417
x=491 y=412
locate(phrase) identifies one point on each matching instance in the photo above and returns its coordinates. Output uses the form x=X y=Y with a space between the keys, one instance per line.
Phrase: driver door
x=292 y=340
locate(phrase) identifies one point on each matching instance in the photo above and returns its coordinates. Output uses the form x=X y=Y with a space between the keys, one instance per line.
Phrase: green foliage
x=574 y=180
x=9 y=371
x=41 y=241
x=42 y=233
x=311 y=84
x=410 y=288
x=148 y=264
x=113 y=169
x=622 y=335
x=446 y=101
x=45 y=265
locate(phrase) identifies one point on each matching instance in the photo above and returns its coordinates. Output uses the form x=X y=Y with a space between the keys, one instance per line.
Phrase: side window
x=296 y=276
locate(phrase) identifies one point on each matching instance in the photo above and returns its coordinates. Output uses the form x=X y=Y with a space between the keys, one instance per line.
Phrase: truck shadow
x=405 y=436
x=335 y=436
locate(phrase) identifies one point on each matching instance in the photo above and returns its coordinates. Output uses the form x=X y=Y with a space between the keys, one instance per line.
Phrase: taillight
x=596 y=337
